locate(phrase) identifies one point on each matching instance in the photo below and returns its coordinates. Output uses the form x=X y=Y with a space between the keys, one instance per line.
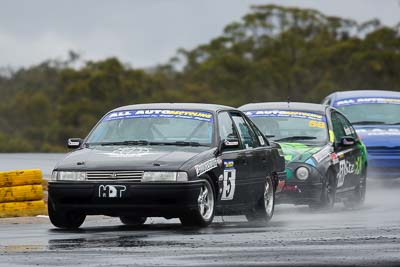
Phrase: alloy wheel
x=206 y=202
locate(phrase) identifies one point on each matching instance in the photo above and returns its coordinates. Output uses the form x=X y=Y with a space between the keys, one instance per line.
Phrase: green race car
x=326 y=161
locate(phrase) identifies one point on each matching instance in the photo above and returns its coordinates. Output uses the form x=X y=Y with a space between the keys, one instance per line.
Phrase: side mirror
x=347 y=141
x=74 y=142
x=230 y=142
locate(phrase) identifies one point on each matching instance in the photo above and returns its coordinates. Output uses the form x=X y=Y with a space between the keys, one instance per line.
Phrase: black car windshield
x=291 y=126
x=160 y=127
x=368 y=111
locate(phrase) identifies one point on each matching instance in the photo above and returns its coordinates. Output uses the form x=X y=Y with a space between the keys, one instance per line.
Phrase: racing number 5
x=228 y=189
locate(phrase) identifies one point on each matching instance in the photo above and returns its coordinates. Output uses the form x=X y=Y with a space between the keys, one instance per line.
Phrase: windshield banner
x=159 y=113
x=366 y=100
x=286 y=113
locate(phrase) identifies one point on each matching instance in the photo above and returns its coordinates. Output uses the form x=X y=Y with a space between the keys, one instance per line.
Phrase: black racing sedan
x=186 y=161
x=326 y=161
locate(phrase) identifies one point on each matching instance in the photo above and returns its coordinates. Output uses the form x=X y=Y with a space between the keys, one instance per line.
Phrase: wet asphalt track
x=295 y=236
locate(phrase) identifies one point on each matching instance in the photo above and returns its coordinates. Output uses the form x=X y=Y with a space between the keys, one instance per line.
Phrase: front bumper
x=383 y=167
x=300 y=192
x=383 y=162
x=139 y=199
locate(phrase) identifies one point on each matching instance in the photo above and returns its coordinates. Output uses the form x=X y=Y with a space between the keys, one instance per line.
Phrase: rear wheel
x=133 y=220
x=65 y=219
x=264 y=209
x=359 y=194
x=204 y=214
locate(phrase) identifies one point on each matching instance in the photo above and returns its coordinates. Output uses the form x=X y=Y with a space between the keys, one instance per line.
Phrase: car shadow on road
x=176 y=228
x=339 y=208
x=143 y=236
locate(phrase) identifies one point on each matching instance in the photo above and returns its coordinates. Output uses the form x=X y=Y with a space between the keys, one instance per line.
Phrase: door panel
x=235 y=164
x=355 y=175
x=235 y=169
x=347 y=155
x=253 y=183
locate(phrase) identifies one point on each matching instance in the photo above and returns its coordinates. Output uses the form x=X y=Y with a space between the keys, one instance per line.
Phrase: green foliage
x=273 y=53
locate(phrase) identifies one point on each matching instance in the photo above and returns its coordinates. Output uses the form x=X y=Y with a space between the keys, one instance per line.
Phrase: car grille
x=133 y=176
x=384 y=151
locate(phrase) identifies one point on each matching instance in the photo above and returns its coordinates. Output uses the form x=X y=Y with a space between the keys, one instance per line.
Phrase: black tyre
x=133 y=220
x=359 y=194
x=264 y=208
x=204 y=214
x=65 y=219
x=328 y=193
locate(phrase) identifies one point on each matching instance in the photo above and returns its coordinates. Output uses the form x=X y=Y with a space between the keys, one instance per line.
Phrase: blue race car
x=375 y=116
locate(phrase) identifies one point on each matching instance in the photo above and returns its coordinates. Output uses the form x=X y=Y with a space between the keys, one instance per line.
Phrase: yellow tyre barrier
x=24 y=177
x=21 y=209
x=21 y=193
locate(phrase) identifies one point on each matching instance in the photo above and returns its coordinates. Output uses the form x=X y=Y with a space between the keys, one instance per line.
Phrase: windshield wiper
x=181 y=143
x=368 y=122
x=124 y=143
x=296 y=137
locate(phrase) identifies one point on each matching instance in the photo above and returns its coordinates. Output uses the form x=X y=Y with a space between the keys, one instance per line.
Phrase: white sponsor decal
x=129 y=152
x=379 y=132
x=120 y=114
x=367 y=100
x=345 y=168
x=160 y=113
x=111 y=191
x=206 y=166
x=229 y=184
x=262 y=142
x=285 y=113
x=323 y=153
x=347 y=131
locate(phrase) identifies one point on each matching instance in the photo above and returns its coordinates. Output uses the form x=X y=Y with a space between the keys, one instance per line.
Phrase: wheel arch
x=330 y=169
x=275 y=179
x=213 y=179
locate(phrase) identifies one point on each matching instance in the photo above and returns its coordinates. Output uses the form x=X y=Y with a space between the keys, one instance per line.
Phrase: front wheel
x=264 y=208
x=65 y=219
x=328 y=193
x=204 y=214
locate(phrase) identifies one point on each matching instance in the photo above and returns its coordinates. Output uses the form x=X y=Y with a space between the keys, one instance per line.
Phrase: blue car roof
x=364 y=93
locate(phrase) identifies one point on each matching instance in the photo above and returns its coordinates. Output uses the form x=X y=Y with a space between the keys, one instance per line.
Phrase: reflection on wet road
x=295 y=236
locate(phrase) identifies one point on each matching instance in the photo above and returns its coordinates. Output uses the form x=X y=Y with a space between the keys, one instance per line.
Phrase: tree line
x=271 y=54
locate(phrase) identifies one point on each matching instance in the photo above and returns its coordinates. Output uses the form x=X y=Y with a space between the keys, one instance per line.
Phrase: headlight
x=70 y=176
x=54 y=175
x=302 y=173
x=165 y=177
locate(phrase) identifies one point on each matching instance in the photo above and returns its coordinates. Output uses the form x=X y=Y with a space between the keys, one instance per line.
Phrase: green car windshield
x=370 y=110
x=291 y=126
x=176 y=127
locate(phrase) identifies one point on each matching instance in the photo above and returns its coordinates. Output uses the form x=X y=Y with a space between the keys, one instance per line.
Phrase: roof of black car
x=185 y=106
x=310 y=107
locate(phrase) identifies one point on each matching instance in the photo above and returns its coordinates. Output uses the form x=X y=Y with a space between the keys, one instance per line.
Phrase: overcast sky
x=140 y=32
